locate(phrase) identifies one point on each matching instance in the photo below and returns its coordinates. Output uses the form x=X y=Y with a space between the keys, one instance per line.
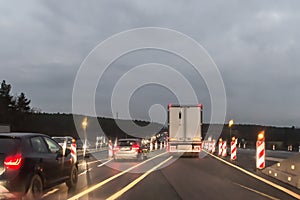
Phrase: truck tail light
x=13 y=162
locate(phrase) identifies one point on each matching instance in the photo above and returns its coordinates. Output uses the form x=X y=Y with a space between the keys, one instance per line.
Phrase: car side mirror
x=67 y=152
x=59 y=154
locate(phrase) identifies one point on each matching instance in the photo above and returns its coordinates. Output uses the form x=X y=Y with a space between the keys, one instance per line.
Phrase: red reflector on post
x=13 y=162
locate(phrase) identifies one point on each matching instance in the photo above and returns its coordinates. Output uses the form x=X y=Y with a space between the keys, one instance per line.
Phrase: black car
x=30 y=163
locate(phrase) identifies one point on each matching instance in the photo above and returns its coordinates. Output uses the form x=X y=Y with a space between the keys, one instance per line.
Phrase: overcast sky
x=255 y=45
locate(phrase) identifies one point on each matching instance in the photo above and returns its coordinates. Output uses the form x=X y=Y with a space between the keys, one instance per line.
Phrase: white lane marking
x=50 y=192
x=283 y=189
x=104 y=163
x=92 y=162
x=258 y=192
x=85 y=192
x=85 y=171
x=136 y=181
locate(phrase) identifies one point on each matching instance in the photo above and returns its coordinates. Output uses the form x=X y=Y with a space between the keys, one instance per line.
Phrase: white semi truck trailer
x=185 y=128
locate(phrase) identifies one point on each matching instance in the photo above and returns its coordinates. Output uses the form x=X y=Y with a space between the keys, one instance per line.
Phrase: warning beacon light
x=261 y=136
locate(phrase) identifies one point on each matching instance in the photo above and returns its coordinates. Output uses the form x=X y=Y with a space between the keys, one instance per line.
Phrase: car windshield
x=8 y=144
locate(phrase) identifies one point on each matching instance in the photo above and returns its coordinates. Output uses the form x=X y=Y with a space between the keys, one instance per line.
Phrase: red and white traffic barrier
x=220 y=147
x=156 y=145
x=110 y=149
x=73 y=152
x=151 y=146
x=224 y=149
x=233 y=149
x=260 y=151
x=213 y=150
x=161 y=145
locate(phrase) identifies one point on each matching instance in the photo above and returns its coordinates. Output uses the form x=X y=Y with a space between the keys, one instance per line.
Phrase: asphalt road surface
x=165 y=176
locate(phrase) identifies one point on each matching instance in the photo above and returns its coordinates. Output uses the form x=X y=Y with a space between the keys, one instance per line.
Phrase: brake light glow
x=135 y=147
x=13 y=162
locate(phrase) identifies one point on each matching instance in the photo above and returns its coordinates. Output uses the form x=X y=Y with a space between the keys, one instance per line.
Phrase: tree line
x=12 y=108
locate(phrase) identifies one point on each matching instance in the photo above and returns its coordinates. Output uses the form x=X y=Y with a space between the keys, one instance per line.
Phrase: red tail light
x=13 y=162
x=135 y=147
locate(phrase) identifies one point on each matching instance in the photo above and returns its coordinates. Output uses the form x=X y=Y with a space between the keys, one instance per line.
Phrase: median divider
x=287 y=171
x=279 y=187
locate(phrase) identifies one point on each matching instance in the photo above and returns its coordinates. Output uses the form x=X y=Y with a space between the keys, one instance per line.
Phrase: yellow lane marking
x=283 y=189
x=85 y=192
x=258 y=192
x=136 y=181
x=50 y=192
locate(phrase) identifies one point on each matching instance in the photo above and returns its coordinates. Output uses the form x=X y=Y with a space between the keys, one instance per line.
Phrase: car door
x=62 y=163
x=46 y=159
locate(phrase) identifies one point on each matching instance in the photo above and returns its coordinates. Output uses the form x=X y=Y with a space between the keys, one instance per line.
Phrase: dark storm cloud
x=255 y=45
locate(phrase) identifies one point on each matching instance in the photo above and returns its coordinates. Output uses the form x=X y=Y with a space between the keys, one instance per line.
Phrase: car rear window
x=8 y=144
x=127 y=143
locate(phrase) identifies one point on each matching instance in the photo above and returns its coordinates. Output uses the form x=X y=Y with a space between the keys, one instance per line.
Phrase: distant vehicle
x=31 y=162
x=64 y=140
x=81 y=146
x=185 y=128
x=130 y=149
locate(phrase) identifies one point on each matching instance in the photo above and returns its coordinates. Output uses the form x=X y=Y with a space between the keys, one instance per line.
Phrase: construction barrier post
x=224 y=149
x=233 y=149
x=73 y=151
x=260 y=150
x=156 y=146
x=213 y=146
x=161 y=146
x=151 y=146
x=220 y=147
x=110 y=149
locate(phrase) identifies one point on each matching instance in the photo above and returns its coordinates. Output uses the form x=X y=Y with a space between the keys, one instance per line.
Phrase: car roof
x=20 y=135
x=64 y=137
x=130 y=139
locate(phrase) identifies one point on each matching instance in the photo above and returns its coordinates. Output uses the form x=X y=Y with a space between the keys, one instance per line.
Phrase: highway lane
x=206 y=178
x=94 y=170
x=186 y=178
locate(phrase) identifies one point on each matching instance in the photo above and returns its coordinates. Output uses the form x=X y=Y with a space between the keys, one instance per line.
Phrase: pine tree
x=7 y=102
x=22 y=103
